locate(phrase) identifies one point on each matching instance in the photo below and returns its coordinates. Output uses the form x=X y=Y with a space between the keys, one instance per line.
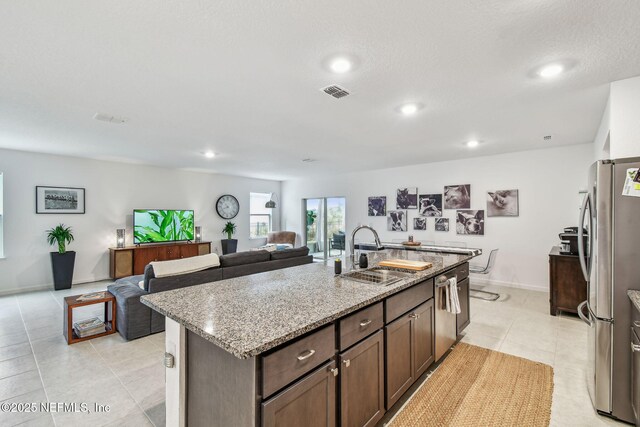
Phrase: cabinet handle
x=459 y=289
x=306 y=356
x=365 y=323
x=334 y=371
x=635 y=347
x=636 y=323
x=346 y=363
x=414 y=315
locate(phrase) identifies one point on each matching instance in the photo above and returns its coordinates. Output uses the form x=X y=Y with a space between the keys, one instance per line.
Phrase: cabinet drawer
x=359 y=325
x=296 y=359
x=404 y=301
x=462 y=271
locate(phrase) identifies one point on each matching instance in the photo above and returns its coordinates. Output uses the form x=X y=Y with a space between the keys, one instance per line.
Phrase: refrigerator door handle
x=586 y=204
x=584 y=318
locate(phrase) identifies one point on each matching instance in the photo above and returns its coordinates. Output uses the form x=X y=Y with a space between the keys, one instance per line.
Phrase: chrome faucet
x=353 y=236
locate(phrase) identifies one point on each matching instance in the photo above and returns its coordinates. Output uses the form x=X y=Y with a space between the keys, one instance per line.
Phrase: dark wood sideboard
x=132 y=260
x=567 y=287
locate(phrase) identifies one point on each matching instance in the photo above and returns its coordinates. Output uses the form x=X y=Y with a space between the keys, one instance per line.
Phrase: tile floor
x=36 y=365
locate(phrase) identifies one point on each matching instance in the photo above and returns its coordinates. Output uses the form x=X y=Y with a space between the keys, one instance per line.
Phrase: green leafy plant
x=229 y=229
x=165 y=226
x=311 y=218
x=61 y=236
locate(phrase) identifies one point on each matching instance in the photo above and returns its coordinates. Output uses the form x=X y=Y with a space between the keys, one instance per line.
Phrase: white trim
x=477 y=279
x=47 y=287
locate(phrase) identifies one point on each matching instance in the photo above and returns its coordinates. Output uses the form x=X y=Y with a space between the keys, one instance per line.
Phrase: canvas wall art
x=442 y=224
x=60 y=200
x=457 y=196
x=397 y=221
x=378 y=206
x=407 y=198
x=419 y=223
x=430 y=205
x=502 y=203
x=470 y=222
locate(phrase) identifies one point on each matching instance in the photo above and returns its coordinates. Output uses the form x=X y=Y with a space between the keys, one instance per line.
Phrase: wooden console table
x=70 y=303
x=132 y=260
x=567 y=287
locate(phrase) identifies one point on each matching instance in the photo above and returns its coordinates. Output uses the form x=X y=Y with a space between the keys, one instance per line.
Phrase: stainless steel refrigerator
x=610 y=259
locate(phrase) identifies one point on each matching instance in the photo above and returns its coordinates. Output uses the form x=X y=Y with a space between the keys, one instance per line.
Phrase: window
x=259 y=216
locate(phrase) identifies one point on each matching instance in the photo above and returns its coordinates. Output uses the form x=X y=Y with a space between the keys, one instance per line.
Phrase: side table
x=72 y=302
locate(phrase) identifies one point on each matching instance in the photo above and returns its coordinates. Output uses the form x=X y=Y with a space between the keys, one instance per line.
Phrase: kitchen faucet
x=353 y=235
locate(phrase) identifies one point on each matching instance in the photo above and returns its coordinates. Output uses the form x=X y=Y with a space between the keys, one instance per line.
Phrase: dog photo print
x=430 y=205
x=397 y=221
x=378 y=206
x=407 y=198
x=470 y=222
x=419 y=223
x=502 y=203
x=442 y=224
x=457 y=196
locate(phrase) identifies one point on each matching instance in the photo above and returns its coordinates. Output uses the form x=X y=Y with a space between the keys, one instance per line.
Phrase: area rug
x=479 y=387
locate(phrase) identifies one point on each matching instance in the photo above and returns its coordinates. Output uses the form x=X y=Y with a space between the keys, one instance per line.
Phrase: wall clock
x=227 y=206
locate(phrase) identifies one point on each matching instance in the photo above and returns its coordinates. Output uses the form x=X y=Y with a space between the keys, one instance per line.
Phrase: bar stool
x=486 y=269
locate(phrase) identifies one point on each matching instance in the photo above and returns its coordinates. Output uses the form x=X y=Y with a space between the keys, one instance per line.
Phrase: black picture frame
x=41 y=200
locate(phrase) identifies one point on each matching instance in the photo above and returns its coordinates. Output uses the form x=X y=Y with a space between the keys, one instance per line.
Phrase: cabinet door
x=188 y=251
x=462 y=319
x=399 y=360
x=362 y=383
x=423 y=338
x=569 y=284
x=309 y=402
x=166 y=253
x=142 y=257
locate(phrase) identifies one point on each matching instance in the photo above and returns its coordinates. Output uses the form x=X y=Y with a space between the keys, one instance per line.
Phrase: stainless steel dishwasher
x=635 y=373
x=445 y=322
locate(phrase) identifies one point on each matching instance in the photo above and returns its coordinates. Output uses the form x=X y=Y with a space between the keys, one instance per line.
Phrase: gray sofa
x=136 y=320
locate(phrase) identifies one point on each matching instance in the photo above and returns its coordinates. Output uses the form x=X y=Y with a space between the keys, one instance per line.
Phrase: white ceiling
x=242 y=78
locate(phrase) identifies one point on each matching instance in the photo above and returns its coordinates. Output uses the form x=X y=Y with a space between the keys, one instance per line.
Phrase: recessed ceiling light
x=473 y=143
x=340 y=65
x=410 y=108
x=209 y=154
x=551 y=70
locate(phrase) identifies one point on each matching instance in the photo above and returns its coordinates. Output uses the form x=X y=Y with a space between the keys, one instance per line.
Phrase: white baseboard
x=40 y=288
x=478 y=279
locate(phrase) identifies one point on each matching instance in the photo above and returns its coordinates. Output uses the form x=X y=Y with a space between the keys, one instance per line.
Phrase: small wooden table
x=567 y=287
x=109 y=316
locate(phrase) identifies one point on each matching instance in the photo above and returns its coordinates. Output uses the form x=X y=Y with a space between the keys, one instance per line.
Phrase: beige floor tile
x=17 y=385
x=136 y=418
x=484 y=341
x=18 y=365
x=527 y=352
x=11 y=326
x=30 y=417
x=156 y=414
x=13 y=351
x=17 y=338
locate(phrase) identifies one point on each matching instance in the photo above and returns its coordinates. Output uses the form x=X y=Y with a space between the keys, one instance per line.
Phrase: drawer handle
x=306 y=356
x=636 y=323
x=334 y=371
x=414 y=315
x=346 y=363
x=366 y=322
x=635 y=347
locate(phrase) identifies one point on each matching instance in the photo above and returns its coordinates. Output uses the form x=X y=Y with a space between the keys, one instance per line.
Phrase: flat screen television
x=156 y=225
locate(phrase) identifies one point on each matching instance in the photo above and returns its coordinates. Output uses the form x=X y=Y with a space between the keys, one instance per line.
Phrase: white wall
x=625 y=118
x=113 y=190
x=548 y=182
x=601 y=144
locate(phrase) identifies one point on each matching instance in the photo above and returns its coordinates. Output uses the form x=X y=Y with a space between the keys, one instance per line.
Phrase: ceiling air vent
x=335 y=91
x=547 y=137
x=102 y=117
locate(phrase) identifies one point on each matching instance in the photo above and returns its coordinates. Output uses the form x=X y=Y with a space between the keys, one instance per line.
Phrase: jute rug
x=479 y=387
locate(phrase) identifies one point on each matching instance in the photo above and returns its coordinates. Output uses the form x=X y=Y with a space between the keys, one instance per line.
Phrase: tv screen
x=152 y=226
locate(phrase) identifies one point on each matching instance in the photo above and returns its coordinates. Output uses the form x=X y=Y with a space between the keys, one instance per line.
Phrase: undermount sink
x=381 y=276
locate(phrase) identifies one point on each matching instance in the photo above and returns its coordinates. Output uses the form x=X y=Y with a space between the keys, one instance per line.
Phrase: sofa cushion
x=241 y=258
x=176 y=267
x=290 y=253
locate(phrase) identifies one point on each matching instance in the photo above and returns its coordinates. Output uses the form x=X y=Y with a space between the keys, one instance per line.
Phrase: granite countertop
x=634 y=296
x=249 y=315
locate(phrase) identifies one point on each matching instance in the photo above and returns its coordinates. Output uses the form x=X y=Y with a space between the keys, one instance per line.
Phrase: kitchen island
x=271 y=348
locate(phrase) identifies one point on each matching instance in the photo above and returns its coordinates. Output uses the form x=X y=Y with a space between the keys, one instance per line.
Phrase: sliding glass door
x=325 y=221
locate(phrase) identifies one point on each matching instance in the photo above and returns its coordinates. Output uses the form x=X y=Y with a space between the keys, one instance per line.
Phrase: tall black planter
x=229 y=246
x=62 y=265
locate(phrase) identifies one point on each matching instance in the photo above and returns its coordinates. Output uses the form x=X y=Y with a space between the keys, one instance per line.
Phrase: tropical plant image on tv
x=151 y=226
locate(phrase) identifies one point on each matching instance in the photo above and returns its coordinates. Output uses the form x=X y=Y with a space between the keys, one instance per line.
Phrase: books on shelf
x=92 y=296
x=89 y=327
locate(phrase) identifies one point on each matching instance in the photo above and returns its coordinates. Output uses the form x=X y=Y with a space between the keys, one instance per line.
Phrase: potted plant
x=311 y=218
x=229 y=245
x=63 y=261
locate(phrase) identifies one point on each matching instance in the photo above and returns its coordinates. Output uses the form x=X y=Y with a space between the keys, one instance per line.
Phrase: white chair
x=484 y=269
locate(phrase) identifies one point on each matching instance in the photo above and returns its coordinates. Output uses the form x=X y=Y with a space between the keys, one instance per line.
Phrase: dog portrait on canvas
x=397 y=221
x=470 y=222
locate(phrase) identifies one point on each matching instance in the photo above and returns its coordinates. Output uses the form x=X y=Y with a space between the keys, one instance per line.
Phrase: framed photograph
x=60 y=200
x=419 y=223
x=442 y=224
x=378 y=206
x=430 y=205
x=407 y=198
x=457 y=196
x=470 y=222
x=502 y=203
x=397 y=221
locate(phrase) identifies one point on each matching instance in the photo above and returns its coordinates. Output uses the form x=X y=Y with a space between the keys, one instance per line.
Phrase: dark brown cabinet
x=132 y=260
x=464 y=317
x=362 y=383
x=409 y=343
x=309 y=402
x=567 y=287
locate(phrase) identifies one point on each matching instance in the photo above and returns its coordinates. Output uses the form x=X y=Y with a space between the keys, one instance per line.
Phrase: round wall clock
x=227 y=206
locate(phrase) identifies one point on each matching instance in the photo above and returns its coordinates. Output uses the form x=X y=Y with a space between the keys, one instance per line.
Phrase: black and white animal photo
x=430 y=205
x=502 y=203
x=457 y=196
x=378 y=206
x=470 y=222
x=407 y=198
x=397 y=221
x=419 y=223
x=442 y=224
